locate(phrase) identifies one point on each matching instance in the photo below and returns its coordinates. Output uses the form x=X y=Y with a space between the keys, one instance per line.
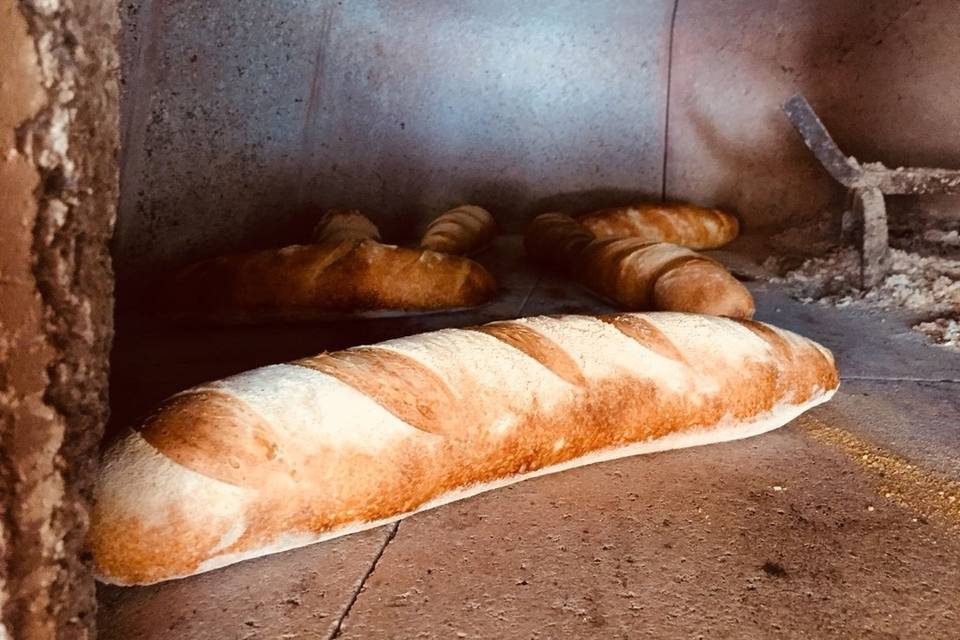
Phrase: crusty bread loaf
x=557 y=241
x=635 y=274
x=348 y=276
x=337 y=225
x=291 y=454
x=683 y=224
x=460 y=231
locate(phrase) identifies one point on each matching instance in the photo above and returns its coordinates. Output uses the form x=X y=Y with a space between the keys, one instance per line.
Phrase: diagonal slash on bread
x=460 y=231
x=681 y=224
x=634 y=273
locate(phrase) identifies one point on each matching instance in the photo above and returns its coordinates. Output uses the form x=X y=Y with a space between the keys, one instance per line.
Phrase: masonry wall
x=881 y=74
x=58 y=190
x=244 y=118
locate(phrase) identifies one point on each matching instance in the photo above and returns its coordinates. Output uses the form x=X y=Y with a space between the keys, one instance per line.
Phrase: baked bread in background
x=345 y=270
x=682 y=224
x=460 y=231
x=343 y=277
x=635 y=274
x=337 y=225
x=291 y=454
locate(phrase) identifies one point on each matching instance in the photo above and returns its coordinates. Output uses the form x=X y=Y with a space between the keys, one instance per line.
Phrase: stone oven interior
x=240 y=122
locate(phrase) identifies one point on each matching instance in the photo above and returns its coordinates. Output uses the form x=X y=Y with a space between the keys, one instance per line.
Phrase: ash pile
x=923 y=281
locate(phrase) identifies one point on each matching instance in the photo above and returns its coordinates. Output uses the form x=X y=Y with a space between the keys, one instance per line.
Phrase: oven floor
x=845 y=523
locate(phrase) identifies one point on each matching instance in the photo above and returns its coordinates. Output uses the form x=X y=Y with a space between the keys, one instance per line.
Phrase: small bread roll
x=338 y=225
x=460 y=231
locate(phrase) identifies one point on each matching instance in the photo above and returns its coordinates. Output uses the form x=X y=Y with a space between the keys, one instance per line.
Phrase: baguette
x=291 y=454
x=460 y=231
x=337 y=225
x=635 y=274
x=683 y=224
x=342 y=277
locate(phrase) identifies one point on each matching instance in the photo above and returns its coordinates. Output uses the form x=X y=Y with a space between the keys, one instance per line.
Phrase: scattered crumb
x=939 y=236
x=926 y=493
x=925 y=284
x=943 y=331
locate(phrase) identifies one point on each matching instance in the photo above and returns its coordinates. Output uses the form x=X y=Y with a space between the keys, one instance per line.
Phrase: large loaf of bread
x=292 y=454
x=635 y=274
x=682 y=224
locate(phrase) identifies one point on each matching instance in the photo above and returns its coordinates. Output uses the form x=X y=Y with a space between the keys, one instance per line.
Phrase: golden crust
x=277 y=482
x=636 y=274
x=702 y=286
x=538 y=347
x=353 y=275
x=194 y=429
x=643 y=331
x=460 y=231
x=398 y=383
x=682 y=224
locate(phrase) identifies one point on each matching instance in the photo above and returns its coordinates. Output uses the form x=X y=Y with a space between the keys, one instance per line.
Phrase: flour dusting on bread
x=297 y=453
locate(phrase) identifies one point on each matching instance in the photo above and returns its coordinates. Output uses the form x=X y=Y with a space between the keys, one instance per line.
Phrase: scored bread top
x=634 y=273
x=460 y=231
x=289 y=454
x=683 y=224
x=642 y=275
x=351 y=275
